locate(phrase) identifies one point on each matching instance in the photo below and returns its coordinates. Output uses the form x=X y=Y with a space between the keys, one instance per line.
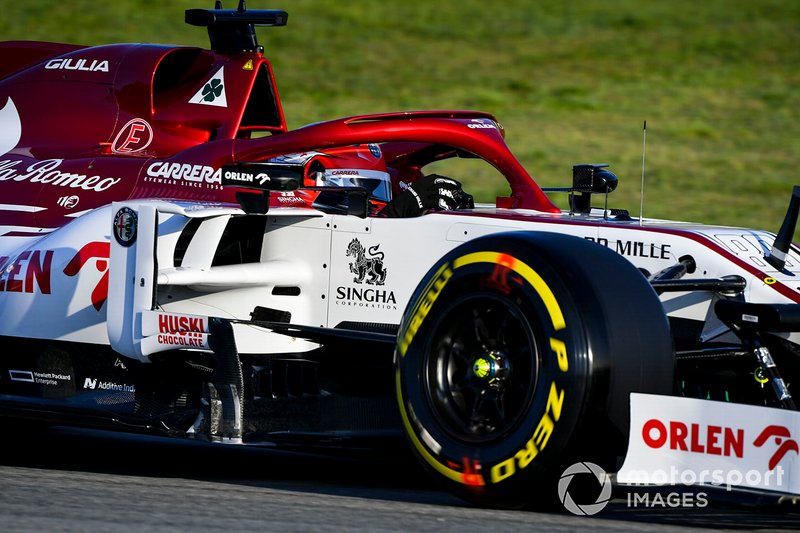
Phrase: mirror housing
x=588 y=180
x=342 y=201
x=258 y=179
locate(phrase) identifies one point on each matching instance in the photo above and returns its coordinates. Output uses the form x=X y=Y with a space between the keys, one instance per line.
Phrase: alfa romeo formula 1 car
x=176 y=261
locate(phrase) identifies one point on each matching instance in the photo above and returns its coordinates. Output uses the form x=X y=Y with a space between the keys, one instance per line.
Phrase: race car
x=176 y=261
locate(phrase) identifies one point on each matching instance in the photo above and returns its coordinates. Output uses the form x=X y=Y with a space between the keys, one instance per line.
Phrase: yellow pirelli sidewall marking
x=522 y=458
x=555 y=400
x=527 y=273
x=560 y=349
x=422 y=306
x=446 y=471
x=541 y=435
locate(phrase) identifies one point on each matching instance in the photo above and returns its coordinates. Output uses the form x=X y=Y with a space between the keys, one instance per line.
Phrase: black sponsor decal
x=264 y=176
x=367 y=266
x=96 y=384
x=51 y=379
x=635 y=248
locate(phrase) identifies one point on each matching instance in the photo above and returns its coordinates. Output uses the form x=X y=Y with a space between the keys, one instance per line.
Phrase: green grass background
x=572 y=82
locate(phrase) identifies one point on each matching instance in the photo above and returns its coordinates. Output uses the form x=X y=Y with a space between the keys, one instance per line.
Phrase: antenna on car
x=641 y=192
x=233 y=31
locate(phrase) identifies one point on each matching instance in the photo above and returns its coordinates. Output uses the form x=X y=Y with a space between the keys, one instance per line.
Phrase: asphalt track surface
x=64 y=480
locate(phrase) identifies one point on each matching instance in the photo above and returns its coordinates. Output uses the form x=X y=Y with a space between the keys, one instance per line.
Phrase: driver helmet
x=361 y=165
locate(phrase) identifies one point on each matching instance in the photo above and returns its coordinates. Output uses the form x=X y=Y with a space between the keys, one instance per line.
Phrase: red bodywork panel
x=77 y=104
x=83 y=127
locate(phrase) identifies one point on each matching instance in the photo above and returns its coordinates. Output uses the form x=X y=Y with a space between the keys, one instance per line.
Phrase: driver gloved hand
x=430 y=192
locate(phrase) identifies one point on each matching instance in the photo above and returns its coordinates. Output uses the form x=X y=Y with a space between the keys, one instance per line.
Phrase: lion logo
x=368 y=270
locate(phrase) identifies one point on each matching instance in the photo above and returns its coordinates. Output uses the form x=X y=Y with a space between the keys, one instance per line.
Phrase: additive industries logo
x=588 y=508
x=125 y=226
x=95 y=384
x=370 y=274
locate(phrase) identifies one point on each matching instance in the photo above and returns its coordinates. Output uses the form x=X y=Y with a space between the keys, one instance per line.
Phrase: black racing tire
x=516 y=358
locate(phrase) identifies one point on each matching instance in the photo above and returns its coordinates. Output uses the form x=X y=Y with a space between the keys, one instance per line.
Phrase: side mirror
x=588 y=180
x=258 y=179
x=604 y=182
x=343 y=200
x=593 y=179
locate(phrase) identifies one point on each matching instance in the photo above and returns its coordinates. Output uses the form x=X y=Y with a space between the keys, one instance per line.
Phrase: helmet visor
x=377 y=183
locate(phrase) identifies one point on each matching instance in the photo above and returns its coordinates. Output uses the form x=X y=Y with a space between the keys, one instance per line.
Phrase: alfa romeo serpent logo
x=583 y=469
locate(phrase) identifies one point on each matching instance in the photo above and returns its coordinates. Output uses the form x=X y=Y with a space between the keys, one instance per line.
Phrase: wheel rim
x=481 y=372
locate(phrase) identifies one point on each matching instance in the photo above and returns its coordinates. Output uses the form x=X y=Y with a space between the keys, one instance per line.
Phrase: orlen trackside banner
x=686 y=441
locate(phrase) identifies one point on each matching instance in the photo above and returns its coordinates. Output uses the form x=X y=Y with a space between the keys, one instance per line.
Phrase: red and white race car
x=176 y=261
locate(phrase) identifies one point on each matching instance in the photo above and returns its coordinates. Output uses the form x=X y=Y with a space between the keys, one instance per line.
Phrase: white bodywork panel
x=686 y=441
x=324 y=270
